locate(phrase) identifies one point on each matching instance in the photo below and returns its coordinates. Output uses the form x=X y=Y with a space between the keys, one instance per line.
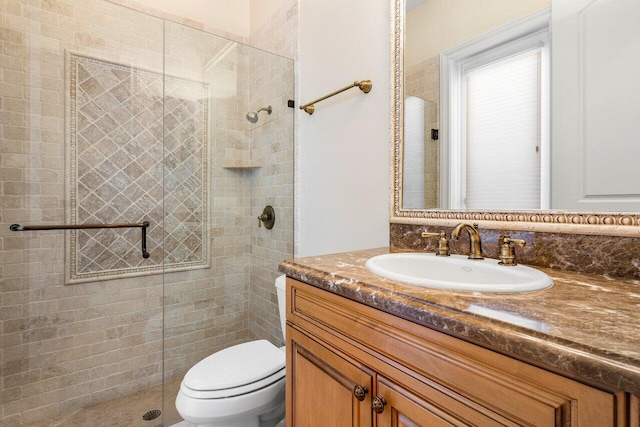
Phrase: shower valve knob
x=261 y=218
x=268 y=217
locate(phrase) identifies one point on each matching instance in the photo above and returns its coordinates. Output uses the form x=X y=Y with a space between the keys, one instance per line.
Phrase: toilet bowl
x=239 y=386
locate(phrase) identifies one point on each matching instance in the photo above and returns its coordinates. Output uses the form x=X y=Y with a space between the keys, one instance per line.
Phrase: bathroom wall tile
x=279 y=33
x=271 y=185
x=124 y=158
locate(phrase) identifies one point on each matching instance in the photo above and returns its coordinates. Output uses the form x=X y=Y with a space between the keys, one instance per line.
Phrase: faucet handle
x=518 y=242
x=443 y=242
x=507 y=251
x=428 y=234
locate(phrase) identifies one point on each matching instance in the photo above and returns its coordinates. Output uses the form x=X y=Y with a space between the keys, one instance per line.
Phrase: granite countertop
x=586 y=326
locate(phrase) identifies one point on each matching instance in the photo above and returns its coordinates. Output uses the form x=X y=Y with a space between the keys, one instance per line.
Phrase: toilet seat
x=232 y=392
x=241 y=369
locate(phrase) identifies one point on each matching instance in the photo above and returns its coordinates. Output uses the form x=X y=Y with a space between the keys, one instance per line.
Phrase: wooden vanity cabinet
x=634 y=412
x=415 y=376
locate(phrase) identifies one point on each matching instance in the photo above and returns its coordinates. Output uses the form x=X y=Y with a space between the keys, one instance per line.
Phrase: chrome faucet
x=475 y=243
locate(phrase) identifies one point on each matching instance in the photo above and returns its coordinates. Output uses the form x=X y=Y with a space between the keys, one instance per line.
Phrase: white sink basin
x=456 y=272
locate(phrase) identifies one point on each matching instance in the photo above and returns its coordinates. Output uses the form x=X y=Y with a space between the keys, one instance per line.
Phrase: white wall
x=448 y=23
x=343 y=148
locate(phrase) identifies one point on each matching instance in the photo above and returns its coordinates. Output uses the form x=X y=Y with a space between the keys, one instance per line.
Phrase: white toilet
x=240 y=386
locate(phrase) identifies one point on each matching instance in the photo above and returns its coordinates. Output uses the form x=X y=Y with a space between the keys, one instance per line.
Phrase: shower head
x=253 y=117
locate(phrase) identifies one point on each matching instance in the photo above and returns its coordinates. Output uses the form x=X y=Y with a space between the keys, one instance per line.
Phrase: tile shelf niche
x=241 y=164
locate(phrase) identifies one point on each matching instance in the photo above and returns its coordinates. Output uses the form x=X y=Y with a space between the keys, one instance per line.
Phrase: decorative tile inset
x=138 y=151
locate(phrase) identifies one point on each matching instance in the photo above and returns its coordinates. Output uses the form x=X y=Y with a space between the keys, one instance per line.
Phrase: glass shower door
x=81 y=143
x=228 y=151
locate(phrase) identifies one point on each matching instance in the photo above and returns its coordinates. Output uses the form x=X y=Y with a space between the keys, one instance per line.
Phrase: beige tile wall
x=206 y=310
x=272 y=146
x=62 y=347
x=423 y=80
x=137 y=145
x=279 y=34
x=65 y=347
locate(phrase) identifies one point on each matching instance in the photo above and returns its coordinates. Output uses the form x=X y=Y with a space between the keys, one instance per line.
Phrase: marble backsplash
x=608 y=255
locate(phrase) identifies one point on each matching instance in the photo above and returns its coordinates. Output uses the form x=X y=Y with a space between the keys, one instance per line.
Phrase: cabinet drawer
x=493 y=385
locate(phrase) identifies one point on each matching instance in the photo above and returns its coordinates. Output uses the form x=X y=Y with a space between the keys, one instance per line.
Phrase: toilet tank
x=281 y=290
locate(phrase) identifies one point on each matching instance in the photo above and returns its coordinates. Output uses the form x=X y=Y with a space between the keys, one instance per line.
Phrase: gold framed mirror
x=555 y=220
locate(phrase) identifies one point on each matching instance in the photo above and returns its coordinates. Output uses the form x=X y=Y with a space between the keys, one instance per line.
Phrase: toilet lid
x=235 y=366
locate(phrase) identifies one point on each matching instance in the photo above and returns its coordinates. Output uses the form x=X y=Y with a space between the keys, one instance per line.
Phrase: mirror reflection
x=479 y=133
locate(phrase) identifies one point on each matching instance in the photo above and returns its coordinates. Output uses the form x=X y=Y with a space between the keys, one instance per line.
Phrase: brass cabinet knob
x=360 y=392
x=378 y=404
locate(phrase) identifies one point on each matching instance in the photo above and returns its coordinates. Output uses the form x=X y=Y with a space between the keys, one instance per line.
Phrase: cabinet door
x=405 y=409
x=430 y=407
x=320 y=386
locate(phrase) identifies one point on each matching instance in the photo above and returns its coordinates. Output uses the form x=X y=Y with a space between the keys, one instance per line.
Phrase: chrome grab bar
x=142 y=225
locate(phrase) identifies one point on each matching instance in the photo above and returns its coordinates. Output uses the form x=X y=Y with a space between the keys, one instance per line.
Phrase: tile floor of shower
x=125 y=411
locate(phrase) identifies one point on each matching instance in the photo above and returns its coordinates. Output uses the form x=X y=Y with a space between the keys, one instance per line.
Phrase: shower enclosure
x=112 y=116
